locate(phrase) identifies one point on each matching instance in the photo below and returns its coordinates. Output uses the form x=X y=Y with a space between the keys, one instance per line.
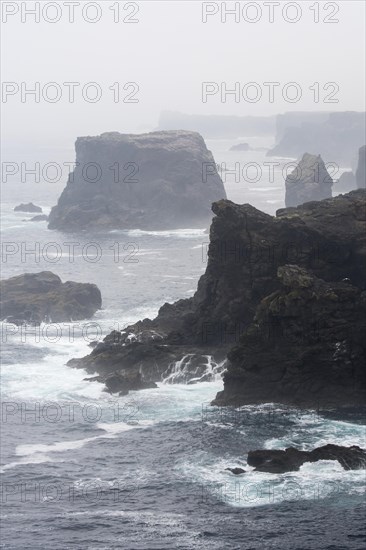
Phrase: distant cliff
x=160 y=180
x=336 y=139
x=327 y=240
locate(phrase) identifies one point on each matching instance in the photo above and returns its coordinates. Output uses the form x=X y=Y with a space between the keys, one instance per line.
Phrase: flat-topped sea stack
x=161 y=180
x=310 y=181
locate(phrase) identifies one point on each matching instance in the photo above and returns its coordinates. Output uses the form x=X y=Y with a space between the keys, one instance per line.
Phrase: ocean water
x=82 y=469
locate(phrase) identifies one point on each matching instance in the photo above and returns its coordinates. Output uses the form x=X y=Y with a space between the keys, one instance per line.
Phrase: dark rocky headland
x=283 y=297
x=37 y=297
x=160 y=180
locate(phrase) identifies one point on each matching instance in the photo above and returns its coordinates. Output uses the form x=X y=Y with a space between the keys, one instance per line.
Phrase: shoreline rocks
x=156 y=181
x=38 y=297
x=291 y=459
x=241 y=289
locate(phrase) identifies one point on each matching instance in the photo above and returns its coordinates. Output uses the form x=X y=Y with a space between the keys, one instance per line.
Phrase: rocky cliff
x=161 y=180
x=310 y=181
x=247 y=247
x=336 y=139
x=305 y=346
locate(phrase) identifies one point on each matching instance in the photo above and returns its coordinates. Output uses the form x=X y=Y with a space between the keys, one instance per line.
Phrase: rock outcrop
x=37 y=297
x=305 y=346
x=328 y=240
x=161 y=180
x=309 y=181
x=29 y=207
x=336 y=139
x=360 y=172
x=291 y=459
x=123 y=384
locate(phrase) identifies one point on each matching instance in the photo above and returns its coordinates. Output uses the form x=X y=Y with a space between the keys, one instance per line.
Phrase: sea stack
x=160 y=180
x=310 y=181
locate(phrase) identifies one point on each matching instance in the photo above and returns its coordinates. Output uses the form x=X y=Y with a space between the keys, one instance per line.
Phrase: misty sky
x=169 y=53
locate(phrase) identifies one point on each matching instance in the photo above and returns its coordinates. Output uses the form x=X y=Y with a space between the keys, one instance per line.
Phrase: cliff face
x=336 y=139
x=309 y=181
x=305 y=346
x=246 y=249
x=160 y=180
x=296 y=119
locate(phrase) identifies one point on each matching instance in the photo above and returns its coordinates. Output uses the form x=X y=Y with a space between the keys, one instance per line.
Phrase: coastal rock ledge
x=156 y=181
x=282 y=302
x=38 y=297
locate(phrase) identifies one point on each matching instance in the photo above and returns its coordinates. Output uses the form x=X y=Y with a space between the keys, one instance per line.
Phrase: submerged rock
x=291 y=459
x=309 y=181
x=161 y=180
x=37 y=297
x=236 y=471
x=29 y=207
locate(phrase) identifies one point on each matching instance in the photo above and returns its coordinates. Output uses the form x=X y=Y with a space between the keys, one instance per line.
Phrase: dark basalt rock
x=326 y=238
x=123 y=383
x=166 y=180
x=240 y=147
x=305 y=347
x=37 y=297
x=309 y=181
x=29 y=207
x=236 y=471
x=291 y=459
